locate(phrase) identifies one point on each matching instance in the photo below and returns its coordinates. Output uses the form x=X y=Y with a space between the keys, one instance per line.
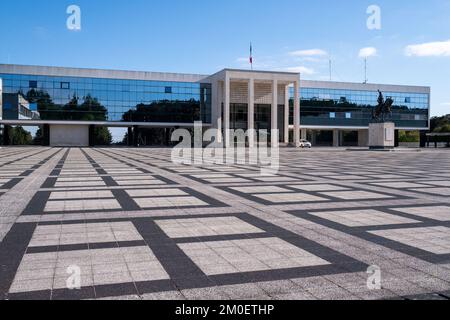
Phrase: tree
x=409 y=136
x=102 y=136
x=38 y=138
x=19 y=136
x=440 y=124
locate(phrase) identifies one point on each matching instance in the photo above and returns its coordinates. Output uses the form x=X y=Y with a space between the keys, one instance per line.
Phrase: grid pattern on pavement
x=138 y=226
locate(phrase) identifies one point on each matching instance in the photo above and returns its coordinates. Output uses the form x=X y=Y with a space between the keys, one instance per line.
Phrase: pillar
x=303 y=134
x=130 y=136
x=363 y=138
x=46 y=135
x=219 y=119
x=92 y=141
x=286 y=114
x=397 y=138
x=226 y=111
x=423 y=139
x=135 y=136
x=251 y=113
x=7 y=135
x=313 y=137
x=296 y=114
x=274 y=136
x=335 y=138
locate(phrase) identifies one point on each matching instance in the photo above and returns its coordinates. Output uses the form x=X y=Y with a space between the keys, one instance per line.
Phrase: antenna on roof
x=365 y=71
x=330 y=68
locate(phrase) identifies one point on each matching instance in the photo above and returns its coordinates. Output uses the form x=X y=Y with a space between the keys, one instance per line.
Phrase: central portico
x=255 y=100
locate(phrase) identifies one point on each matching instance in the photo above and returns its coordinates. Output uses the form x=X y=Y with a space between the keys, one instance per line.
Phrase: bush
x=409 y=136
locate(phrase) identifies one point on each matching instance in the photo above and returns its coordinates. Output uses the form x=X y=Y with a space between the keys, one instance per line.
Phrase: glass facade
x=119 y=100
x=336 y=107
x=262 y=117
x=114 y=100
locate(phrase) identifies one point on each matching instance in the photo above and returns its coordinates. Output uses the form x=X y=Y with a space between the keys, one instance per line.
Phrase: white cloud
x=430 y=49
x=301 y=69
x=367 y=52
x=308 y=53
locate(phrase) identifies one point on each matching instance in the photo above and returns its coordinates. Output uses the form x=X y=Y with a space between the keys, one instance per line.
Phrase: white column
x=218 y=118
x=335 y=138
x=296 y=114
x=251 y=113
x=226 y=111
x=286 y=114
x=274 y=127
x=303 y=134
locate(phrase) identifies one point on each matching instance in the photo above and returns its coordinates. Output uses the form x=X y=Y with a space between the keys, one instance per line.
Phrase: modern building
x=71 y=103
x=17 y=107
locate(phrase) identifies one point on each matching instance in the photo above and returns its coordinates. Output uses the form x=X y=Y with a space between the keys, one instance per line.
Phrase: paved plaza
x=134 y=225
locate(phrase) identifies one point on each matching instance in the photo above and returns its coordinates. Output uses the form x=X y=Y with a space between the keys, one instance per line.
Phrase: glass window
x=332 y=115
x=65 y=85
x=33 y=85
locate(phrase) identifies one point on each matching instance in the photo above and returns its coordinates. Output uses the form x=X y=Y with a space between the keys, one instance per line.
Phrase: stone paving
x=137 y=226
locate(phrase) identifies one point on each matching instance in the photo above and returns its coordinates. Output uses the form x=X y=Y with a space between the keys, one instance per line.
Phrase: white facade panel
x=69 y=136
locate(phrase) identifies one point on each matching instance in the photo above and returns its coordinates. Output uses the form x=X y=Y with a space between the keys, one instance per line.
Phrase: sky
x=407 y=43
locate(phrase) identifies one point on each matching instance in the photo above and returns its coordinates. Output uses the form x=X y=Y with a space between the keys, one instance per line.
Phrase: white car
x=305 y=144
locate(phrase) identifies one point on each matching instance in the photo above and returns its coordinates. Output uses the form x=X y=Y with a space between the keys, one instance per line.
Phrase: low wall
x=69 y=136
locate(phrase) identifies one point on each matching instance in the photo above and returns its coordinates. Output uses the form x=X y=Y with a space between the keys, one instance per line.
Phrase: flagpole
x=251 y=56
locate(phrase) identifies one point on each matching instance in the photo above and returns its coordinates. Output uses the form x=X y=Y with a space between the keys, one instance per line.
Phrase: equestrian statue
x=383 y=109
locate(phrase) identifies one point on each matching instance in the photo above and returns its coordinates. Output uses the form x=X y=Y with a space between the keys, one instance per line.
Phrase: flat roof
x=100 y=73
x=186 y=77
x=364 y=86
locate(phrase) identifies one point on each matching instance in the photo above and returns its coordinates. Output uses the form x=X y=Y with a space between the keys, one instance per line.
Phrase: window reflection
x=96 y=99
x=354 y=108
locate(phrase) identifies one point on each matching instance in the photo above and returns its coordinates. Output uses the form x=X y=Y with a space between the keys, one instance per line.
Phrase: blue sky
x=203 y=36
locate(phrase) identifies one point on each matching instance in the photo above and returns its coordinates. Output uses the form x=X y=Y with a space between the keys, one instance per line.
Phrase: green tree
x=409 y=136
x=19 y=136
x=102 y=136
x=38 y=138
x=440 y=124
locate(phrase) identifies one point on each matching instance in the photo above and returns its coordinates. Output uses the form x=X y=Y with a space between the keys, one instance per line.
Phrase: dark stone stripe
x=11 y=184
x=315 y=248
x=27 y=173
x=66 y=294
x=12 y=249
x=43 y=295
x=164 y=179
x=276 y=275
x=109 y=181
x=49 y=182
x=233 y=237
x=37 y=204
x=211 y=201
x=126 y=202
x=363 y=233
x=176 y=263
x=115 y=290
x=86 y=246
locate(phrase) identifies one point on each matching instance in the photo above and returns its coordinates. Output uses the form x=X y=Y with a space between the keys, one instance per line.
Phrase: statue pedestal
x=382 y=135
